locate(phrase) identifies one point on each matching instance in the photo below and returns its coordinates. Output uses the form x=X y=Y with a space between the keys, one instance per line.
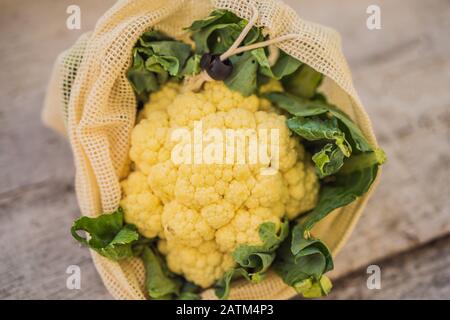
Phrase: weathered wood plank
x=423 y=273
x=37 y=200
x=33 y=33
x=36 y=247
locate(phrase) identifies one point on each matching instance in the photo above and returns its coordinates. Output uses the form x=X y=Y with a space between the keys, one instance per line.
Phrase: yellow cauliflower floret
x=185 y=225
x=162 y=179
x=303 y=188
x=203 y=211
x=244 y=228
x=225 y=99
x=202 y=265
x=161 y=99
x=188 y=107
x=142 y=208
x=147 y=140
x=218 y=214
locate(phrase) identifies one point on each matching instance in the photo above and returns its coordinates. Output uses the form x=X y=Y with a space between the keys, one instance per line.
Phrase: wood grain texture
x=401 y=73
x=423 y=273
x=37 y=200
x=37 y=250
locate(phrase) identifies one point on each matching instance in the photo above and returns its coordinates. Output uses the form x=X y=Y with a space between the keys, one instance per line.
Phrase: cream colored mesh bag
x=89 y=98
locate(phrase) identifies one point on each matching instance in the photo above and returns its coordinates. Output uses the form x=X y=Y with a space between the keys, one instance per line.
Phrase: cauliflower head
x=202 y=212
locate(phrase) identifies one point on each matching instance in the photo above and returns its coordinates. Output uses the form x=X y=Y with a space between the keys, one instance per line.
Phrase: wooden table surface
x=402 y=73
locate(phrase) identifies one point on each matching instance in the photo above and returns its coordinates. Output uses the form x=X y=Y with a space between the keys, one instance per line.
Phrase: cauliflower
x=202 y=212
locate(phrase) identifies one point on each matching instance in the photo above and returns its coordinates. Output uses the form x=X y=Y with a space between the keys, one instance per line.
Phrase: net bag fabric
x=90 y=99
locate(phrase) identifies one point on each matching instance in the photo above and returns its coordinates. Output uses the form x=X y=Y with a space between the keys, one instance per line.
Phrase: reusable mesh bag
x=90 y=99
